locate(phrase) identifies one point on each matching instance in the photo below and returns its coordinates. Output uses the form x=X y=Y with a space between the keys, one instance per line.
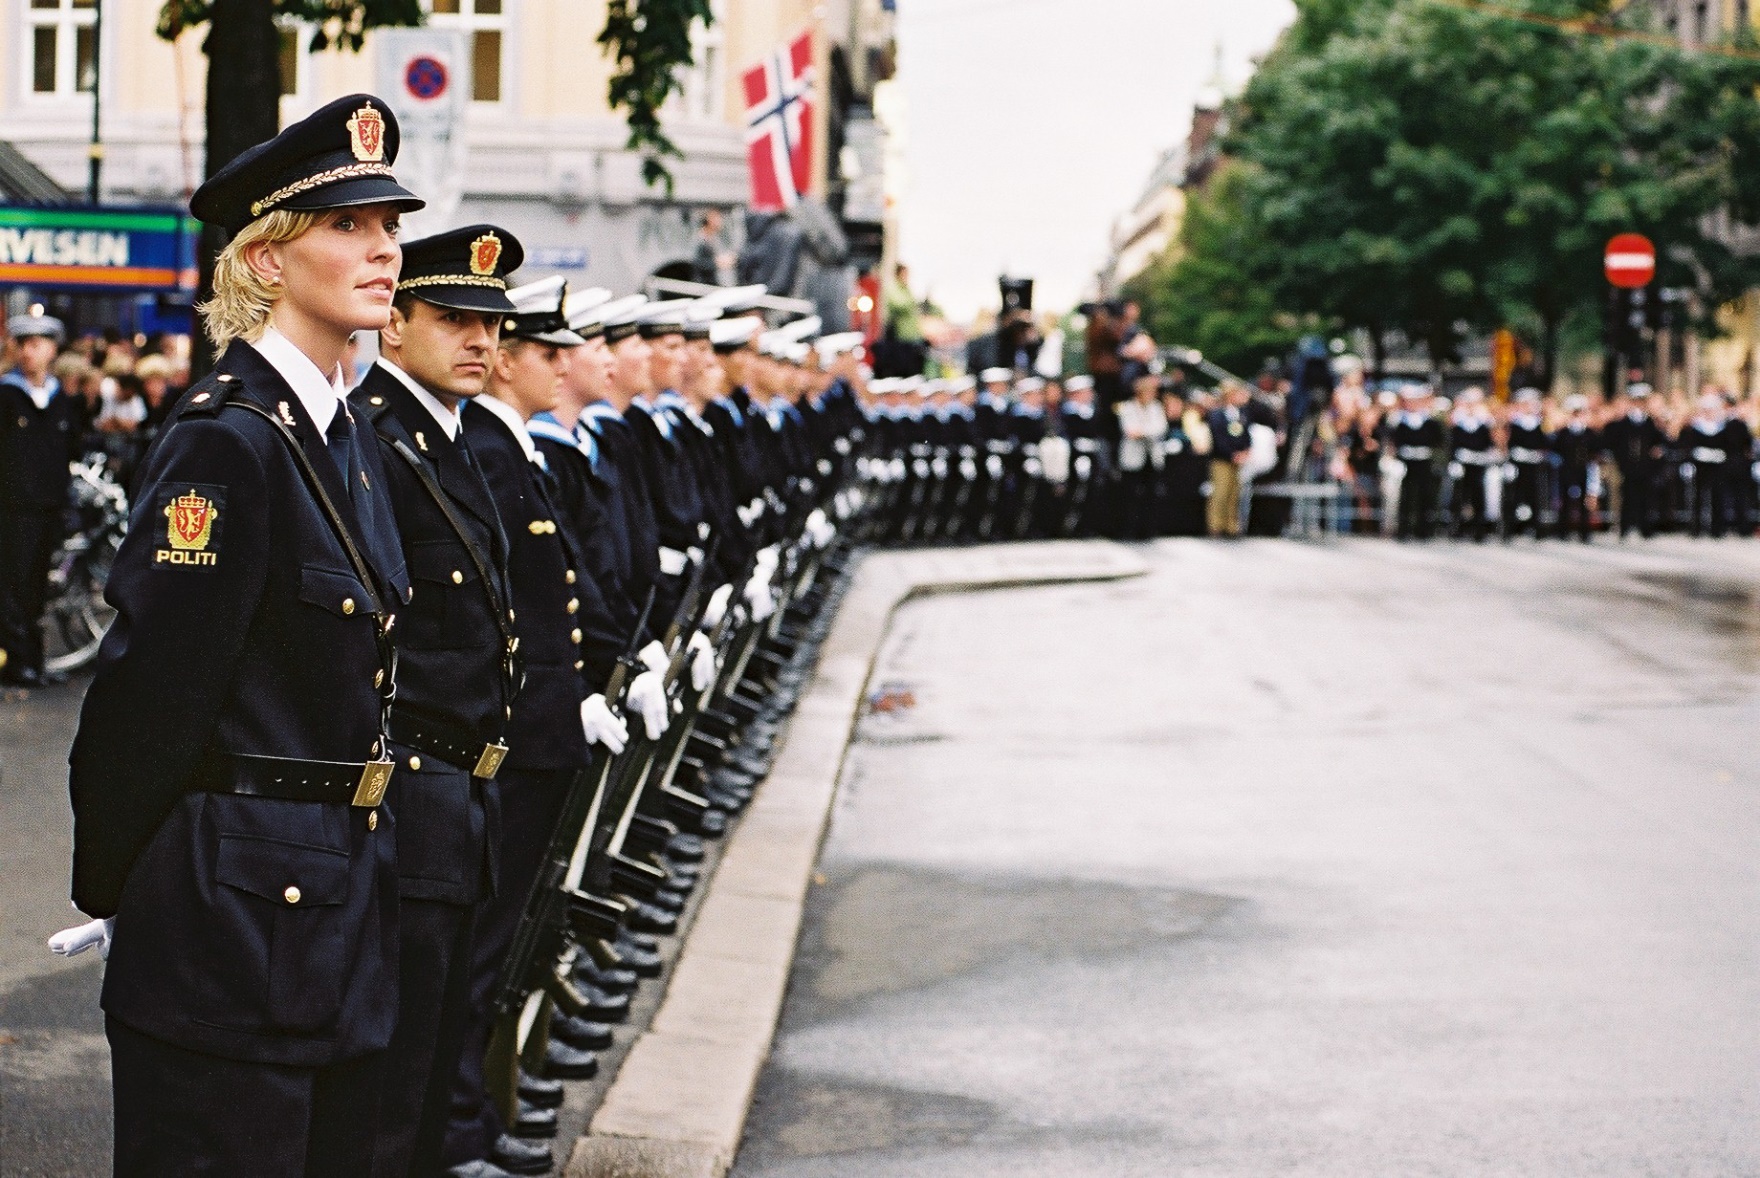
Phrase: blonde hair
x=242 y=298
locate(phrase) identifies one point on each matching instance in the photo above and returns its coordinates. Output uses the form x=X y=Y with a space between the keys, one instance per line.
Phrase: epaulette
x=207 y=396
x=373 y=406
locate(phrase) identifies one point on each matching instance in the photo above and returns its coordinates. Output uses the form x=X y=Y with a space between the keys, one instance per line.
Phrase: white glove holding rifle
x=654 y=657
x=819 y=530
x=717 y=607
x=603 y=726
x=71 y=942
x=758 y=597
x=703 y=666
x=647 y=699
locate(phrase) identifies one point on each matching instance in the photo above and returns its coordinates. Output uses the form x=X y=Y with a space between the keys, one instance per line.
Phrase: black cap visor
x=355 y=191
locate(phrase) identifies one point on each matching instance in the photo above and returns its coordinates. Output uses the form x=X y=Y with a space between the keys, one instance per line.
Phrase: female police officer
x=231 y=755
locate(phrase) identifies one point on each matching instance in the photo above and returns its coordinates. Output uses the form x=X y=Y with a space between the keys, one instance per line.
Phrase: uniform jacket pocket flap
x=340 y=593
x=283 y=872
x=443 y=561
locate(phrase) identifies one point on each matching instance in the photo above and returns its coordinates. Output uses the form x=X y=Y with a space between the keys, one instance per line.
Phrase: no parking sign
x=424 y=74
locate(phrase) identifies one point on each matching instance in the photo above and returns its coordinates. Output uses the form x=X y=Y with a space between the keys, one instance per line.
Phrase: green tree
x=1206 y=293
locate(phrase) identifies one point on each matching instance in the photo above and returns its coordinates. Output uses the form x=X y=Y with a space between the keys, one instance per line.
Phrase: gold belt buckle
x=489 y=764
x=375 y=776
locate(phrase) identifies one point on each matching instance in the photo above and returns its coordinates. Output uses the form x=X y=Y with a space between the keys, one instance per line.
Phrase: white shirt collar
x=446 y=419
x=512 y=420
x=40 y=394
x=322 y=396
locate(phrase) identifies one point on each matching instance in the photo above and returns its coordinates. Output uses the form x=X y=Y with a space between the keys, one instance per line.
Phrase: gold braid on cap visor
x=454 y=280
x=334 y=175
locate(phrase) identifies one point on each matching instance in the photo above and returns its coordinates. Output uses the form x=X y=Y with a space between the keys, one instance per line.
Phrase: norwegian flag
x=779 y=125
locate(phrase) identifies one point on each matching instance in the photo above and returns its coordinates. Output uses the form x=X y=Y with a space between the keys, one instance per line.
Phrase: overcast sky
x=1032 y=124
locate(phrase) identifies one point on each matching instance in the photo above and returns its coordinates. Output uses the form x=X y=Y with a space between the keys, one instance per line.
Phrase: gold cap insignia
x=191 y=522
x=366 y=134
x=485 y=253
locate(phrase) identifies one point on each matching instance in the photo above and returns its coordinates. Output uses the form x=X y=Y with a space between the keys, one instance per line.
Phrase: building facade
x=541 y=151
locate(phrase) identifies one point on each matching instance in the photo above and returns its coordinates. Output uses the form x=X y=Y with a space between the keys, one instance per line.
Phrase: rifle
x=554 y=913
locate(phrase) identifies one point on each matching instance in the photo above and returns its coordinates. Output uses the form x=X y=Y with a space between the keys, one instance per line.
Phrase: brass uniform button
x=348 y=605
x=457 y=577
x=578 y=664
x=415 y=764
x=569 y=576
x=574 y=605
x=291 y=895
x=373 y=820
x=378 y=678
x=574 y=636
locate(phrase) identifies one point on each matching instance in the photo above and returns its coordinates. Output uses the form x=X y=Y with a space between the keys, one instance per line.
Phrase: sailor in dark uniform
x=1530 y=453
x=1417 y=438
x=1473 y=462
x=456 y=664
x=1578 y=446
x=233 y=754
x=1636 y=443
x=1705 y=443
x=40 y=431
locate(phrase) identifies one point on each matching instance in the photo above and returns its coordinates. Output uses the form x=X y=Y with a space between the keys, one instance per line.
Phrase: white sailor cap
x=733 y=333
x=962 y=384
x=29 y=326
x=1031 y=384
x=1575 y=403
x=769 y=342
x=1078 y=384
x=624 y=321
x=933 y=387
x=800 y=329
x=1529 y=396
x=1413 y=391
x=1638 y=388
x=832 y=346
x=996 y=375
x=796 y=352
x=734 y=298
x=883 y=385
x=910 y=384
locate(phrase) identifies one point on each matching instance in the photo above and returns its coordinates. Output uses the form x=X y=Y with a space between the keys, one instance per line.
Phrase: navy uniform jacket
x=738 y=446
x=1635 y=444
x=714 y=481
x=36 y=445
x=595 y=523
x=564 y=648
x=678 y=505
x=1228 y=432
x=241 y=628
x=626 y=493
x=1532 y=440
x=451 y=641
x=1577 y=450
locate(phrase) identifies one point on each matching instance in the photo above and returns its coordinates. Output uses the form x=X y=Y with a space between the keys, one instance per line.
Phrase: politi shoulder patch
x=193 y=516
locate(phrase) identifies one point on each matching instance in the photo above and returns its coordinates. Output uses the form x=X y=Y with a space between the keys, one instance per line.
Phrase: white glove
x=647 y=697
x=654 y=657
x=819 y=530
x=703 y=666
x=717 y=607
x=602 y=725
x=71 y=942
x=759 y=599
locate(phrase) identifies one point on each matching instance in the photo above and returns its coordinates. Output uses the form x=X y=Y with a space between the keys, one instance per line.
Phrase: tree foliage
x=650 y=42
x=1413 y=167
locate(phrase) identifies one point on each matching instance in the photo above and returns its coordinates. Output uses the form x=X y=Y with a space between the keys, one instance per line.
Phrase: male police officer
x=40 y=431
x=565 y=644
x=456 y=671
x=230 y=765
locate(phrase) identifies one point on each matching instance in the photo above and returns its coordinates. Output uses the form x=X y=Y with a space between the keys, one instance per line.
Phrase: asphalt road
x=1356 y=859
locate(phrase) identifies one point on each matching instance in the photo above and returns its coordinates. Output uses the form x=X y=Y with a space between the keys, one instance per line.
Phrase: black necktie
x=340 y=440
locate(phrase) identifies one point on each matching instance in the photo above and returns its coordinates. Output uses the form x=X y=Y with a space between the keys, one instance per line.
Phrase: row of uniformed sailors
x=984 y=457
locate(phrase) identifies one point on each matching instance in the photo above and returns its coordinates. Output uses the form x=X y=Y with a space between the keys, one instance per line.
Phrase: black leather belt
x=452 y=743
x=352 y=783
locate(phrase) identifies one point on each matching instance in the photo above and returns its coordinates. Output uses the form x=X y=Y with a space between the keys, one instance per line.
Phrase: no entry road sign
x=1630 y=261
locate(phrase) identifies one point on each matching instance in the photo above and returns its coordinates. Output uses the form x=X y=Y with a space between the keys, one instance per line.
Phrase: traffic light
x=1633 y=317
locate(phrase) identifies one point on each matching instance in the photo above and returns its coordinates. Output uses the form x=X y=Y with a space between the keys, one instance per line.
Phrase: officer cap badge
x=366 y=134
x=485 y=253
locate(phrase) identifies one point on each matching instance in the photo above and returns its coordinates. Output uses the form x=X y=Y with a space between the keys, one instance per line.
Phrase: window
x=63 y=45
x=485 y=24
x=702 y=93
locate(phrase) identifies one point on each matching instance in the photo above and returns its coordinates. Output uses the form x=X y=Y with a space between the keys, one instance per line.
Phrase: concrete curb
x=678 y=1106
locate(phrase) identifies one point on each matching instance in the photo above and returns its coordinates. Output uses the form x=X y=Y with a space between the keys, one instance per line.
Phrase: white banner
x=424 y=75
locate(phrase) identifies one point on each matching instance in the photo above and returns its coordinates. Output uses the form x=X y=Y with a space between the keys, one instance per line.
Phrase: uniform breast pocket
x=333 y=591
x=288 y=906
x=446 y=607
